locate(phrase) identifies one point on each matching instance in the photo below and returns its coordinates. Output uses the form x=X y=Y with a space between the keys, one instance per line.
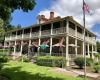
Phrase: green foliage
x=51 y=61
x=97 y=55
x=26 y=71
x=98 y=46
x=79 y=61
x=2 y=32
x=97 y=67
x=8 y=6
x=3 y=59
x=89 y=61
x=4 y=52
x=23 y=58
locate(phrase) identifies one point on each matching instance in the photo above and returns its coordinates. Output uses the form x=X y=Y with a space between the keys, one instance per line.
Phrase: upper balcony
x=46 y=30
x=54 y=28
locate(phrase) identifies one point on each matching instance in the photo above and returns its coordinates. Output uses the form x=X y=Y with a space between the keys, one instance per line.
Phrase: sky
x=61 y=8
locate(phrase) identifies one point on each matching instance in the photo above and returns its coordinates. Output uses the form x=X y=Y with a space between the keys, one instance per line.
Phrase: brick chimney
x=41 y=19
x=51 y=15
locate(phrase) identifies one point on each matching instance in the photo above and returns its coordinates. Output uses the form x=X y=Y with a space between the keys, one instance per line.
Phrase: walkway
x=74 y=73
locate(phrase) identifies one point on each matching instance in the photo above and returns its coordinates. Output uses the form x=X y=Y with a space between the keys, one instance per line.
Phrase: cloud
x=74 y=8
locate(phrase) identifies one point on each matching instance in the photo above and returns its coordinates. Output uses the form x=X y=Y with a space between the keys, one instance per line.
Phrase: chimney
x=42 y=16
x=51 y=15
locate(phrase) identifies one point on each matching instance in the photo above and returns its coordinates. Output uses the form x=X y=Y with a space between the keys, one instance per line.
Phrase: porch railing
x=59 y=30
x=72 y=32
x=79 y=35
x=34 y=34
x=26 y=35
x=45 y=32
x=19 y=36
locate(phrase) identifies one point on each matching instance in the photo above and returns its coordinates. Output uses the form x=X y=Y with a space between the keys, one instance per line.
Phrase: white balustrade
x=45 y=32
x=72 y=32
x=26 y=35
x=34 y=34
x=19 y=36
x=13 y=37
x=59 y=30
x=80 y=35
x=87 y=38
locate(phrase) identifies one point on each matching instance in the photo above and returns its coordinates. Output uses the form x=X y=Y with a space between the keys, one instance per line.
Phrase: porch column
x=15 y=48
x=88 y=50
x=14 y=51
x=29 y=47
x=67 y=26
x=83 y=48
x=67 y=50
x=31 y=33
x=40 y=31
x=76 y=46
x=50 y=45
x=39 y=45
x=51 y=39
x=21 y=48
x=22 y=42
x=92 y=52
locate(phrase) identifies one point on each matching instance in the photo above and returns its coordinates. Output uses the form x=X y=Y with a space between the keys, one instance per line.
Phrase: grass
x=26 y=71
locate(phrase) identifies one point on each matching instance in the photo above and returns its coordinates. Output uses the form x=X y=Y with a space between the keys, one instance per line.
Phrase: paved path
x=74 y=73
x=92 y=75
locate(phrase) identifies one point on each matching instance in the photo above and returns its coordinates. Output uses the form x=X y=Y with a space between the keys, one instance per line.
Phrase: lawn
x=27 y=71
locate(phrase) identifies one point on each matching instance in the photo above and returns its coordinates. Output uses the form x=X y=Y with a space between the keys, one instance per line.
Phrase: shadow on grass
x=15 y=73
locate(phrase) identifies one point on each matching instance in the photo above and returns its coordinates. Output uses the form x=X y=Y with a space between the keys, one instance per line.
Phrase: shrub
x=4 y=52
x=23 y=58
x=51 y=61
x=97 y=67
x=97 y=55
x=79 y=61
x=3 y=59
x=89 y=61
x=1 y=66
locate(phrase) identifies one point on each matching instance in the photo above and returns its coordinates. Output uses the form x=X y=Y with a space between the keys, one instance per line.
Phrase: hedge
x=97 y=67
x=51 y=61
x=79 y=61
x=3 y=59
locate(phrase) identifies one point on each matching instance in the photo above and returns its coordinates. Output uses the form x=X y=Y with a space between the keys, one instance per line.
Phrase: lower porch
x=64 y=46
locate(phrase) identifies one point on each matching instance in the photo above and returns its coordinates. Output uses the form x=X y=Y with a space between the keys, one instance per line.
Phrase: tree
x=8 y=6
x=2 y=31
x=98 y=46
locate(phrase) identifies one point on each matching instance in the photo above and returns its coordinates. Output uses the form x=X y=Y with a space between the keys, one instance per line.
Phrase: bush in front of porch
x=52 y=61
x=79 y=61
